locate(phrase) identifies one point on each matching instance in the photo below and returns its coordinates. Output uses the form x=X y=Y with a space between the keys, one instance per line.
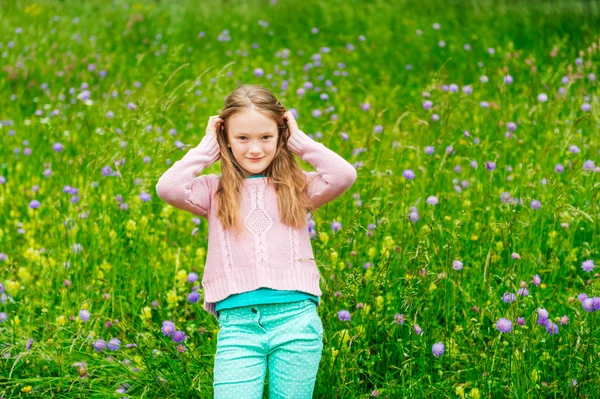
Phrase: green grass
x=133 y=257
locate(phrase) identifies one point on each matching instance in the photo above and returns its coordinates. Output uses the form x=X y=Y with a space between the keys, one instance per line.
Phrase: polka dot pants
x=284 y=338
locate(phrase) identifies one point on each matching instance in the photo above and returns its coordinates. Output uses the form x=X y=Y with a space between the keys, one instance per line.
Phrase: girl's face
x=252 y=135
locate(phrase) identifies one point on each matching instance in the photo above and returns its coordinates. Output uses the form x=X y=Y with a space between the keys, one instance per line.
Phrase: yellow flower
x=26 y=389
x=323 y=237
x=131 y=227
x=33 y=9
x=474 y=393
x=334 y=256
x=372 y=252
x=61 y=320
x=16 y=320
x=181 y=276
x=23 y=274
x=112 y=235
x=172 y=298
x=146 y=313
x=200 y=252
x=369 y=274
x=379 y=302
x=12 y=287
x=432 y=287
x=460 y=391
x=144 y=221
x=466 y=203
x=474 y=237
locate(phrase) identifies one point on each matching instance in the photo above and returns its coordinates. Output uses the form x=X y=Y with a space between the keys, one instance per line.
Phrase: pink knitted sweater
x=267 y=252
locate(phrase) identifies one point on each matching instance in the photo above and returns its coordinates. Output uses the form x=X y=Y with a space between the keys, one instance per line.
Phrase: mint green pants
x=284 y=338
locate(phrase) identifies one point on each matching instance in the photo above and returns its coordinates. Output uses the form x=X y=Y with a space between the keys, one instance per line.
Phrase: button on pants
x=284 y=338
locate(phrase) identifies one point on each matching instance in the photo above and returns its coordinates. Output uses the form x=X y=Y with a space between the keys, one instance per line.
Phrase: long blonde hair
x=284 y=172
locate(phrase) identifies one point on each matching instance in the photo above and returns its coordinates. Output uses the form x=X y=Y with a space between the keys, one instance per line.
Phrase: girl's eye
x=244 y=137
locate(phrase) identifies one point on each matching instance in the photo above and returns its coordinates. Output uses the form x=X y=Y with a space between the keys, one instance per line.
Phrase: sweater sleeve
x=334 y=175
x=180 y=187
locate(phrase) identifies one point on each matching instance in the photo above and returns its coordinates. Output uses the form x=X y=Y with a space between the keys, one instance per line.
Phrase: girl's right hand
x=214 y=123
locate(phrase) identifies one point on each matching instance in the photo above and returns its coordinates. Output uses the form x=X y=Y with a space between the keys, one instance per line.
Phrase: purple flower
x=504 y=325
x=521 y=321
x=34 y=204
x=588 y=304
x=114 y=344
x=408 y=174
x=3 y=317
x=542 y=97
x=145 y=197
x=552 y=328
x=489 y=165
x=509 y=297
x=515 y=255
x=429 y=150
x=193 y=297
x=343 y=315
x=542 y=313
x=427 y=104
x=536 y=280
x=457 y=265
x=559 y=168
x=523 y=291
x=511 y=126
x=582 y=297
x=432 y=200
x=258 y=72
x=58 y=147
x=168 y=328
x=29 y=343
x=435 y=117
x=399 y=318
x=192 y=277
x=378 y=129
x=107 y=171
x=131 y=105
x=588 y=265
x=418 y=330
x=535 y=204
x=437 y=349
x=596 y=302
x=508 y=79
x=574 y=149
x=179 y=336
x=100 y=345
x=586 y=107
x=588 y=165
x=84 y=315
x=414 y=216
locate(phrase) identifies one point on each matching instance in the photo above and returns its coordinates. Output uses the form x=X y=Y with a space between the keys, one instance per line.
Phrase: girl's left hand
x=288 y=117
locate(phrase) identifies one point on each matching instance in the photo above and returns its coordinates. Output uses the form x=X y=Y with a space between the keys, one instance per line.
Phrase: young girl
x=260 y=279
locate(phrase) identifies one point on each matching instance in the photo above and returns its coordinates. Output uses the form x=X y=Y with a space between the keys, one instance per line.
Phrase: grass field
x=464 y=252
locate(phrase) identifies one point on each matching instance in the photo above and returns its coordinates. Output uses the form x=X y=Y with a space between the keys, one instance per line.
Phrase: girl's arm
x=180 y=187
x=334 y=174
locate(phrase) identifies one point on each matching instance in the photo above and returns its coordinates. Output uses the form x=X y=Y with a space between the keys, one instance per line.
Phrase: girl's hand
x=214 y=123
x=288 y=117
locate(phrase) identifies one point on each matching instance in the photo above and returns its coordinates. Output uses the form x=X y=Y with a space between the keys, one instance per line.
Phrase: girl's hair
x=283 y=173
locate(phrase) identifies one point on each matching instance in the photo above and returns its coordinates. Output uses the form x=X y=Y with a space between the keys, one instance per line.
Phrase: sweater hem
x=251 y=279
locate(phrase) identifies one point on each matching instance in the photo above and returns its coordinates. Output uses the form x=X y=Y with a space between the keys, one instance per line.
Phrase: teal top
x=263 y=295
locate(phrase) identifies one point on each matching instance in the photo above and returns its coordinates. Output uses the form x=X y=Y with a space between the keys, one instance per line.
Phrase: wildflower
x=99 y=345
x=114 y=344
x=438 y=349
x=84 y=315
x=168 y=328
x=457 y=265
x=509 y=297
x=399 y=318
x=504 y=325
x=343 y=315
x=588 y=265
x=179 y=336
x=536 y=280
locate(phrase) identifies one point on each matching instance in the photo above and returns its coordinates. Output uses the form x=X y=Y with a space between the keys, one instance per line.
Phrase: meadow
x=461 y=264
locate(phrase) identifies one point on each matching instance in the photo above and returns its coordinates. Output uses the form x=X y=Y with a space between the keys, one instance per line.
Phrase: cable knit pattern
x=259 y=223
x=263 y=255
